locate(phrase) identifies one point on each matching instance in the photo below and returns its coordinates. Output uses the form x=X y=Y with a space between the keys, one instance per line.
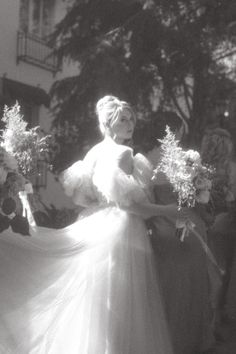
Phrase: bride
x=90 y=288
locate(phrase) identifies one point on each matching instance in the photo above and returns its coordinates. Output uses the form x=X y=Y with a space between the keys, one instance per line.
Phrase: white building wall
x=31 y=75
x=22 y=72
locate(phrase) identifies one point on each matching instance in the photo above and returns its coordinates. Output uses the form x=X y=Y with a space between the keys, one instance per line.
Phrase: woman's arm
x=84 y=197
x=148 y=210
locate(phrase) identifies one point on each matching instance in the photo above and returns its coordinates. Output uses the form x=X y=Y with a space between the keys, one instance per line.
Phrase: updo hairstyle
x=108 y=110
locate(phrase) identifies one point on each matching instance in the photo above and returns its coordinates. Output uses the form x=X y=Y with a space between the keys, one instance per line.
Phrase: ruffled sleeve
x=114 y=179
x=143 y=171
x=77 y=183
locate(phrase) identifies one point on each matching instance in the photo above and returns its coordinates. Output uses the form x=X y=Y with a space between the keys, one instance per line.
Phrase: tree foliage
x=149 y=52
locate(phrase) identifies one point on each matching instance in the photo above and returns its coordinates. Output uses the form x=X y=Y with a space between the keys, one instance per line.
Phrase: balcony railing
x=36 y=51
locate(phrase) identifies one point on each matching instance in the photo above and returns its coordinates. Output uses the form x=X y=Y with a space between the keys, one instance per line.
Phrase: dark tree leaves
x=135 y=48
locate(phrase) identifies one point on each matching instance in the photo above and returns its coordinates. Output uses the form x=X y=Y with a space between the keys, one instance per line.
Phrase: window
x=30 y=99
x=36 y=23
x=30 y=112
x=36 y=17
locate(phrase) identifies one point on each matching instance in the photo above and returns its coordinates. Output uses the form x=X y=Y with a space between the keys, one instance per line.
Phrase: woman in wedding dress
x=90 y=288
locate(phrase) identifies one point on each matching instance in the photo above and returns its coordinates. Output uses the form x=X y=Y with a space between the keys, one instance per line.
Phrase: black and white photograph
x=117 y=177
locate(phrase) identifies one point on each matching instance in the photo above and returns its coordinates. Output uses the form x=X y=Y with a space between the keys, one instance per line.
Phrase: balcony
x=36 y=51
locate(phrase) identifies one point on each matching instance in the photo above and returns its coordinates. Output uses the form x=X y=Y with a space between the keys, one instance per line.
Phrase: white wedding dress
x=90 y=288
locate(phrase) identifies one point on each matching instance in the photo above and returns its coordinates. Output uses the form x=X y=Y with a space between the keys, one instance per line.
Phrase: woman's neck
x=114 y=139
x=119 y=141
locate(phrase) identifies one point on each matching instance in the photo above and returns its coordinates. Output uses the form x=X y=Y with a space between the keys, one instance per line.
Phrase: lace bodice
x=109 y=174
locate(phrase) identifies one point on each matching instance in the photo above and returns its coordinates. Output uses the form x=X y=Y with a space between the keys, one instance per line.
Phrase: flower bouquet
x=26 y=145
x=20 y=150
x=191 y=180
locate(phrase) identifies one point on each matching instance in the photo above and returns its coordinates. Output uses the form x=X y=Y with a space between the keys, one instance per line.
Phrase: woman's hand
x=173 y=212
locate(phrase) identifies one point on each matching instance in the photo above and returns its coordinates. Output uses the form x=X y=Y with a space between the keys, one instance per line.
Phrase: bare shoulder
x=94 y=152
x=108 y=153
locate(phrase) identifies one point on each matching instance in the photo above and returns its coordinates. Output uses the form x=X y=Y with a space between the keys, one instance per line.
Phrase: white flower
x=193 y=156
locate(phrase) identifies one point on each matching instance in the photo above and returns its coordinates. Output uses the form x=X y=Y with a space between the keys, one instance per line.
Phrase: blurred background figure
x=182 y=266
x=217 y=149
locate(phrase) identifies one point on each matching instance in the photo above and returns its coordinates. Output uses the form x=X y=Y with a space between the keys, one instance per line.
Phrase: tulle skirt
x=90 y=288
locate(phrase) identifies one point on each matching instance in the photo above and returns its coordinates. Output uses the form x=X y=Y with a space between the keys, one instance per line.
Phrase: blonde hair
x=108 y=110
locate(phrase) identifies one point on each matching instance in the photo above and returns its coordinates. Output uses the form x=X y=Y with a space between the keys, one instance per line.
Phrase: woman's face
x=122 y=129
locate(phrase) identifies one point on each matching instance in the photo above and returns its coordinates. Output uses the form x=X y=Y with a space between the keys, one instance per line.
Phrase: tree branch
x=187 y=95
x=179 y=109
x=225 y=55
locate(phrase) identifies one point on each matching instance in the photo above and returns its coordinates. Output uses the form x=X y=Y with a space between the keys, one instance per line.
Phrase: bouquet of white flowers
x=26 y=145
x=191 y=180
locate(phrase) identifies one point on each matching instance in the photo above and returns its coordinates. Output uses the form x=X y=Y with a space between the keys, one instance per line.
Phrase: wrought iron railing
x=36 y=51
